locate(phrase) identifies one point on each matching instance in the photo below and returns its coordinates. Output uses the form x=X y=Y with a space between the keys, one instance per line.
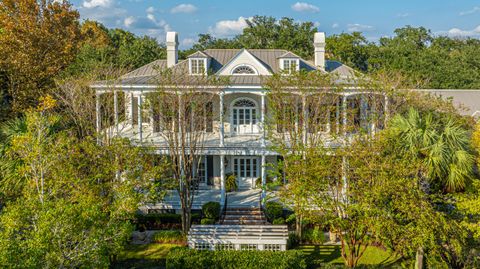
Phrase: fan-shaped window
x=244 y=103
x=243 y=70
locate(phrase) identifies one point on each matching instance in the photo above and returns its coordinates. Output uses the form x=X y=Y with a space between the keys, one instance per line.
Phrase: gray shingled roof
x=219 y=58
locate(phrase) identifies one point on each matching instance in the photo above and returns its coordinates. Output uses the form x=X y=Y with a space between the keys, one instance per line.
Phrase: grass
x=321 y=254
x=144 y=256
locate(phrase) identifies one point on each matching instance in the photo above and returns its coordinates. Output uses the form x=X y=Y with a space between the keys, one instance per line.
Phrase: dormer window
x=290 y=65
x=244 y=70
x=198 y=66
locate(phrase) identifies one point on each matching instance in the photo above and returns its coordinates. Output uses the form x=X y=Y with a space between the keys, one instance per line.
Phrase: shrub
x=172 y=236
x=292 y=240
x=158 y=221
x=211 y=210
x=278 y=221
x=231 y=182
x=313 y=236
x=193 y=259
x=196 y=218
x=273 y=210
x=258 y=181
x=207 y=221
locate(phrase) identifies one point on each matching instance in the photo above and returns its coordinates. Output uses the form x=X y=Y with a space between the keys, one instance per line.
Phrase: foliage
x=263 y=32
x=278 y=221
x=158 y=221
x=207 y=221
x=231 y=182
x=188 y=258
x=273 y=210
x=75 y=198
x=313 y=236
x=38 y=40
x=169 y=236
x=440 y=143
x=211 y=210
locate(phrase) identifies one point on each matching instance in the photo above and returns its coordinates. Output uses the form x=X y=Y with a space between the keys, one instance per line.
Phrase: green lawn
x=321 y=254
x=144 y=256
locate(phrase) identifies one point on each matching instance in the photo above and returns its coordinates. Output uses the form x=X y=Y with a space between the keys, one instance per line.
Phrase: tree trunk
x=419 y=258
x=298 y=227
x=185 y=220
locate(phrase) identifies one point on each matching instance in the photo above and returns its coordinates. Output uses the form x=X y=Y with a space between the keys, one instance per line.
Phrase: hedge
x=223 y=259
x=158 y=221
x=273 y=210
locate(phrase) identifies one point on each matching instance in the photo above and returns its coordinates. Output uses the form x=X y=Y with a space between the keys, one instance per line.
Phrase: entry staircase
x=243 y=216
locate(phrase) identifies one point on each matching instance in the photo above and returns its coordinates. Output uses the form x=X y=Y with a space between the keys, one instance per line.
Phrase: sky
x=226 y=18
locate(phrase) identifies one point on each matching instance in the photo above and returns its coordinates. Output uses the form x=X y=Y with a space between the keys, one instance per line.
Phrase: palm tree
x=442 y=145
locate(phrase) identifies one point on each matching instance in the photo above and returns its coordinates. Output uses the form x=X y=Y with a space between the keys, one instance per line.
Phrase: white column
x=344 y=179
x=222 y=130
x=98 y=115
x=115 y=108
x=363 y=112
x=130 y=109
x=264 y=176
x=337 y=117
x=222 y=180
x=305 y=118
x=344 y=115
x=140 y=134
x=262 y=119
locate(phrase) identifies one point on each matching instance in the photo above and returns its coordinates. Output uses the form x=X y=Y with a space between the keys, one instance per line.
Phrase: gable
x=244 y=57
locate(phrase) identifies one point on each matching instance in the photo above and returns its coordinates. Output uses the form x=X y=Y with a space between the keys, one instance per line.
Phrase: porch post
x=262 y=119
x=344 y=113
x=264 y=177
x=115 y=108
x=140 y=135
x=222 y=131
x=337 y=117
x=98 y=116
x=222 y=180
x=305 y=118
x=130 y=109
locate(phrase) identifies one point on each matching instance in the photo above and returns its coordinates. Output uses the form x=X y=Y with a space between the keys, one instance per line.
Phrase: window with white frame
x=272 y=247
x=244 y=70
x=198 y=66
x=290 y=65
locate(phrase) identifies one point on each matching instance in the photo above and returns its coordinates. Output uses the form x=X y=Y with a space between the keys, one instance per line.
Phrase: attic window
x=243 y=70
x=290 y=65
x=197 y=66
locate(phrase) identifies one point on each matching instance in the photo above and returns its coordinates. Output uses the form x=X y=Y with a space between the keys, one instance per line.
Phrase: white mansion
x=235 y=141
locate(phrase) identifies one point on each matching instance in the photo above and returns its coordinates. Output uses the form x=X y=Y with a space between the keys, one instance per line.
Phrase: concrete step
x=255 y=217
x=243 y=222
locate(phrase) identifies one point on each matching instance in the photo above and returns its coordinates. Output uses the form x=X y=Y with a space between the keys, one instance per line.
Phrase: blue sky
x=222 y=18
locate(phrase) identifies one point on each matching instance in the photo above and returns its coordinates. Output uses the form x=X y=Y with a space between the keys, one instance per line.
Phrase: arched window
x=244 y=103
x=243 y=70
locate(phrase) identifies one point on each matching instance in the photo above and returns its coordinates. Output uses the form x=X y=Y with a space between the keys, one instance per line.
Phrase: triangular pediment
x=244 y=57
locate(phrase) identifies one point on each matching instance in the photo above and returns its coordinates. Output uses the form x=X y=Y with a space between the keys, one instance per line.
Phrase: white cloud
x=335 y=25
x=304 y=7
x=471 y=11
x=229 y=27
x=97 y=3
x=403 y=15
x=187 y=42
x=150 y=10
x=128 y=21
x=356 y=27
x=456 y=32
x=183 y=8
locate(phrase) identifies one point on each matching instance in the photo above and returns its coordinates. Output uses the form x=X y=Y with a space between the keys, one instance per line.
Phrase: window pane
x=241 y=116
x=247 y=116
x=254 y=116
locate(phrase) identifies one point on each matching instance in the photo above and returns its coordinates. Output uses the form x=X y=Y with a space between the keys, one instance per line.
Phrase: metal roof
x=147 y=74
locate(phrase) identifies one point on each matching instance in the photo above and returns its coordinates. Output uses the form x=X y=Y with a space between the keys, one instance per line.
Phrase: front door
x=244 y=117
x=246 y=170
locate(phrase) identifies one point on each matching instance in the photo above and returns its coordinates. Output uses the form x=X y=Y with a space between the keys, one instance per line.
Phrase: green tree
x=440 y=143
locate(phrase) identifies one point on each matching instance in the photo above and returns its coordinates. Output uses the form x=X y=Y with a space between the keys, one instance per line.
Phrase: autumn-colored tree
x=37 y=39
